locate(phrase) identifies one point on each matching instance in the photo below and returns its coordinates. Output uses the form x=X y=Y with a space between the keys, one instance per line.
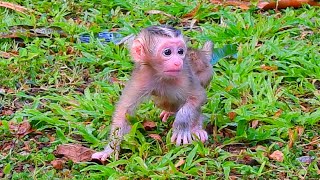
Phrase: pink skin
x=173 y=63
x=172 y=80
x=164 y=115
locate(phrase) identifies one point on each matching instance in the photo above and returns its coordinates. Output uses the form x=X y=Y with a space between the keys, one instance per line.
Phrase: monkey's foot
x=103 y=155
x=164 y=115
x=186 y=137
x=201 y=134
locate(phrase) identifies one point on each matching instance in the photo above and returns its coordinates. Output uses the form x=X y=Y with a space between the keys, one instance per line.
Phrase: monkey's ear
x=137 y=51
x=208 y=46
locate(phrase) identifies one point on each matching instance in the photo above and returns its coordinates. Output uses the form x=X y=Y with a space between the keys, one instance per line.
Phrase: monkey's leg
x=164 y=115
x=197 y=129
x=116 y=136
x=187 y=115
x=183 y=124
x=131 y=97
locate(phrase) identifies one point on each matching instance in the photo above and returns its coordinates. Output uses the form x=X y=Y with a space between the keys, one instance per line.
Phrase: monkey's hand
x=198 y=131
x=164 y=115
x=181 y=136
x=106 y=153
x=182 y=127
x=186 y=136
x=200 y=134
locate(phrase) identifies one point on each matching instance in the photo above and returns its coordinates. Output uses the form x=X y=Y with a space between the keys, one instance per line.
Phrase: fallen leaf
x=254 y=124
x=291 y=138
x=24 y=128
x=7 y=55
x=180 y=162
x=281 y=4
x=300 y=130
x=155 y=137
x=193 y=12
x=278 y=113
x=240 y=4
x=232 y=115
x=149 y=125
x=57 y=164
x=7 y=112
x=315 y=140
x=160 y=12
x=15 y=7
x=75 y=152
x=268 y=68
x=233 y=177
x=277 y=156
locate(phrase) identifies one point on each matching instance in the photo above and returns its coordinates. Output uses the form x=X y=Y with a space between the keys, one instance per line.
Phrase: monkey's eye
x=167 y=52
x=180 y=51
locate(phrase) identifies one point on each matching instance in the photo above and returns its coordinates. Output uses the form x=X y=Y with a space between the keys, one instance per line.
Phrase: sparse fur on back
x=200 y=63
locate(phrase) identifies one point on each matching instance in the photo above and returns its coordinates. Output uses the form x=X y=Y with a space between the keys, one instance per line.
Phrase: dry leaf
x=233 y=177
x=254 y=124
x=7 y=55
x=277 y=156
x=155 y=137
x=278 y=113
x=7 y=112
x=300 y=130
x=180 y=162
x=57 y=164
x=15 y=7
x=160 y=12
x=24 y=128
x=281 y=4
x=291 y=138
x=75 y=152
x=268 y=68
x=149 y=125
x=193 y=12
x=240 y=4
x=232 y=115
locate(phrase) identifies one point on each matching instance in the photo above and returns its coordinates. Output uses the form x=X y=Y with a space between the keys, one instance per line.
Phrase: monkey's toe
x=181 y=137
x=164 y=115
x=201 y=134
x=98 y=155
x=103 y=155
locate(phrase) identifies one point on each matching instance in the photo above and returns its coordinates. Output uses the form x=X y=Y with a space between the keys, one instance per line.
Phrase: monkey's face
x=169 y=56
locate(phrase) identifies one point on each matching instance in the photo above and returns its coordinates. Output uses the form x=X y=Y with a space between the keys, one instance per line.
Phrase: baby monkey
x=175 y=78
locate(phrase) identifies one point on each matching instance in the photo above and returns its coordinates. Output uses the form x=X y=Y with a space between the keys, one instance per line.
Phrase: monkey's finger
x=202 y=136
x=97 y=155
x=185 y=138
x=162 y=114
x=178 y=140
x=173 y=137
x=165 y=117
x=105 y=157
x=196 y=135
x=189 y=138
x=206 y=136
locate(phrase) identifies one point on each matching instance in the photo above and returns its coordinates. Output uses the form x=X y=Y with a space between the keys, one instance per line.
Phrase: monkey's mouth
x=172 y=72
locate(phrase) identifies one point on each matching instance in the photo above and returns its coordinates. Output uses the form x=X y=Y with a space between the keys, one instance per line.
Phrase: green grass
x=67 y=91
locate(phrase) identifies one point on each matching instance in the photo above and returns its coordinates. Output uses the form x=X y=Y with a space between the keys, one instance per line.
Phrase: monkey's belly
x=166 y=104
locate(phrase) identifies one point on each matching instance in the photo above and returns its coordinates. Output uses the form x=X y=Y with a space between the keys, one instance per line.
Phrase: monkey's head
x=162 y=48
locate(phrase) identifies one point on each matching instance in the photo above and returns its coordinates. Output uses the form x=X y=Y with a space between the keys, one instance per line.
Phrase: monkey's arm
x=187 y=117
x=131 y=97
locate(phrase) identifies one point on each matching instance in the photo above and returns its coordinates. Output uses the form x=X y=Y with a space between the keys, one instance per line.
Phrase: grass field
x=263 y=113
